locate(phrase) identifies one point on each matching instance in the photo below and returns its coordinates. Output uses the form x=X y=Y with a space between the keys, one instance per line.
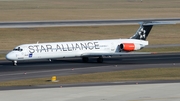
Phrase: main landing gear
x=86 y=59
x=100 y=60
x=14 y=63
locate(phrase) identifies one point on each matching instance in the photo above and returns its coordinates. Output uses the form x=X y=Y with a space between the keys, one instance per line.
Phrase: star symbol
x=142 y=33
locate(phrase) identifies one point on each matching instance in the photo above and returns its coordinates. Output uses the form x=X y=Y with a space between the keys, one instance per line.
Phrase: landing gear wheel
x=50 y=60
x=15 y=63
x=100 y=60
x=85 y=59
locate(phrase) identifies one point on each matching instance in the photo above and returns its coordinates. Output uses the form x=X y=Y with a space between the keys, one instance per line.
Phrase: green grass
x=125 y=75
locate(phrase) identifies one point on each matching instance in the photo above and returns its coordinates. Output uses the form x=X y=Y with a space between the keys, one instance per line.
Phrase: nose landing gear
x=50 y=60
x=14 y=63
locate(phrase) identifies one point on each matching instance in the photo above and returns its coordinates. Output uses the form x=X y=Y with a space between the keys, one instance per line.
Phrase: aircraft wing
x=114 y=54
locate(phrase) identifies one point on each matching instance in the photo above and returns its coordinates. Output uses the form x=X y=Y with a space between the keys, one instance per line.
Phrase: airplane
x=84 y=49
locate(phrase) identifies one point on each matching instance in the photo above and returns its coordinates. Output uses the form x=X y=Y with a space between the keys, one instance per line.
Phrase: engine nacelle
x=129 y=47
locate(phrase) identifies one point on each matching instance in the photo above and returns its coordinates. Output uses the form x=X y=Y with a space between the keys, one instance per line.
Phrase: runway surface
x=63 y=23
x=70 y=66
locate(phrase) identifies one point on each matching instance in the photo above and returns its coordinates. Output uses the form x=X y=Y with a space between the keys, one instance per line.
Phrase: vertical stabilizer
x=143 y=32
x=145 y=28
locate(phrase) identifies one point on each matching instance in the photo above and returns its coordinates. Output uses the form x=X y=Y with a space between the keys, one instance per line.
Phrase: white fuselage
x=68 y=49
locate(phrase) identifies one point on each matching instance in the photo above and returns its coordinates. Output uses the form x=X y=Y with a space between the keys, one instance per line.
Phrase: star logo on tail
x=142 y=33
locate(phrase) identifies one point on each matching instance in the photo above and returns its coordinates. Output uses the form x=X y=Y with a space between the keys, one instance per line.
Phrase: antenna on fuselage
x=37 y=42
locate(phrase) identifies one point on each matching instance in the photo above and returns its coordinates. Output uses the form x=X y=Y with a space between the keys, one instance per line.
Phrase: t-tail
x=143 y=32
x=145 y=28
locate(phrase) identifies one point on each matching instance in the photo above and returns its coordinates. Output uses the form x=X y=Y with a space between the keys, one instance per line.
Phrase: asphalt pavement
x=70 y=66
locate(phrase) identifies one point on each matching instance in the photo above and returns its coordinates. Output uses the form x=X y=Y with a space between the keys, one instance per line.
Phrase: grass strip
x=125 y=75
x=2 y=56
x=26 y=10
x=161 y=50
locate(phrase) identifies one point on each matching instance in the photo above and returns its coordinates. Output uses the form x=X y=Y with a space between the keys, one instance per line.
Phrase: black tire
x=85 y=59
x=100 y=60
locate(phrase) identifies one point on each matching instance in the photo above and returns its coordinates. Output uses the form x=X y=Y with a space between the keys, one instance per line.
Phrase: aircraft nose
x=10 y=56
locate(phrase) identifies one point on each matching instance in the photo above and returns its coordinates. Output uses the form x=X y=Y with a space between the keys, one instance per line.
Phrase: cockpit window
x=17 y=49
